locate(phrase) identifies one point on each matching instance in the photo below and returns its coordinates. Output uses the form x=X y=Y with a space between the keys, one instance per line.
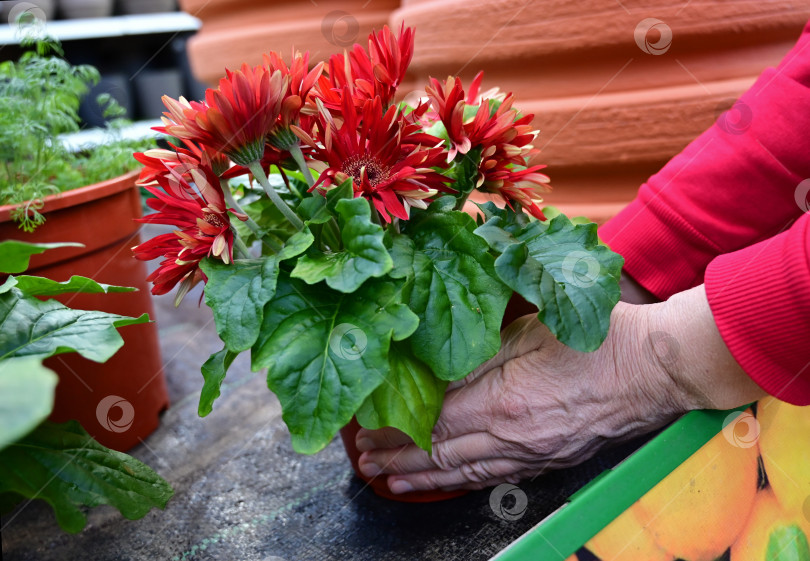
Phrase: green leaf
x=560 y=268
x=343 y=191
x=787 y=543
x=237 y=293
x=465 y=171
x=31 y=327
x=14 y=255
x=213 y=372
x=456 y=294
x=502 y=226
x=64 y=466
x=39 y=286
x=26 y=397
x=326 y=352
x=313 y=209
x=364 y=255
x=296 y=244
x=410 y=399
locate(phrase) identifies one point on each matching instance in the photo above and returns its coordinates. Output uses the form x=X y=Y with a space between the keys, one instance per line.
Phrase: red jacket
x=733 y=211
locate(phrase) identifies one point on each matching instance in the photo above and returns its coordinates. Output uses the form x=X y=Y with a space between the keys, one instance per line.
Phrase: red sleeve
x=733 y=186
x=760 y=300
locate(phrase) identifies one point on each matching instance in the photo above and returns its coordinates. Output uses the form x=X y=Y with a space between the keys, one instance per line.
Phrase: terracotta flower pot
x=516 y=308
x=118 y=402
x=237 y=31
x=615 y=94
x=378 y=484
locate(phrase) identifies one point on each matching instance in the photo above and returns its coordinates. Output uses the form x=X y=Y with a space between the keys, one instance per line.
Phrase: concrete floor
x=241 y=493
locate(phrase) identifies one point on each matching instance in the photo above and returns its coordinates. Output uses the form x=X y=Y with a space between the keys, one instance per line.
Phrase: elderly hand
x=539 y=405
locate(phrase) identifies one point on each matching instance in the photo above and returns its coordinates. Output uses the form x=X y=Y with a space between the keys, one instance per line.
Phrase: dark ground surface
x=241 y=493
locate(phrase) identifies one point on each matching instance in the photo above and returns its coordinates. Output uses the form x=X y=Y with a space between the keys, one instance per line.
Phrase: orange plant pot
x=379 y=484
x=118 y=402
x=517 y=307
x=238 y=31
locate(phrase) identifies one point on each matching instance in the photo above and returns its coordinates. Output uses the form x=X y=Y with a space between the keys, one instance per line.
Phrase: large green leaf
x=31 y=327
x=213 y=372
x=561 y=268
x=237 y=293
x=363 y=256
x=787 y=543
x=26 y=396
x=410 y=399
x=64 y=466
x=326 y=351
x=40 y=286
x=455 y=292
x=14 y=255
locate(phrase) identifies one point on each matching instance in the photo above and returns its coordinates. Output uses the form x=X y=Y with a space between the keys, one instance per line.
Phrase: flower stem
x=241 y=247
x=298 y=156
x=258 y=173
x=250 y=223
x=462 y=201
x=289 y=185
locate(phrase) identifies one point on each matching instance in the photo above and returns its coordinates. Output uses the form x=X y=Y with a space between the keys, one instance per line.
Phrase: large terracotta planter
x=237 y=31
x=610 y=114
x=117 y=402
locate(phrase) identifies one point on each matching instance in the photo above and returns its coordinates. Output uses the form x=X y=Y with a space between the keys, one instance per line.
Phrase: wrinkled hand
x=536 y=406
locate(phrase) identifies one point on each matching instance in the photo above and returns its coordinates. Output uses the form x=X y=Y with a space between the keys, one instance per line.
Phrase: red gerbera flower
x=386 y=155
x=198 y=211
x=158 y=161
x=236 y=118
x=376 y=72
x=515 y=184
x=488 y=121
x=301 y=81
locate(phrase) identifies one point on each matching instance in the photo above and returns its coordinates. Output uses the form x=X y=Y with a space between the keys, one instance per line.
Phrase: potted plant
x=59 y=463
x=351 y=271
x=49 y=193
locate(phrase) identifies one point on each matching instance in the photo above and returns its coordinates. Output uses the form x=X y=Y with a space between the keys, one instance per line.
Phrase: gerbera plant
x=331 y=226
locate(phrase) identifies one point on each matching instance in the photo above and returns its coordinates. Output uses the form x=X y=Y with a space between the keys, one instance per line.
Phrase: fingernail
x=370 y=469
x=400 y=486
x=364 y=444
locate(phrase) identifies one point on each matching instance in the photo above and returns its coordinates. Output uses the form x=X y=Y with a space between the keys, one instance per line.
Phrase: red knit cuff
x=662 y=252
x=760 y=300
